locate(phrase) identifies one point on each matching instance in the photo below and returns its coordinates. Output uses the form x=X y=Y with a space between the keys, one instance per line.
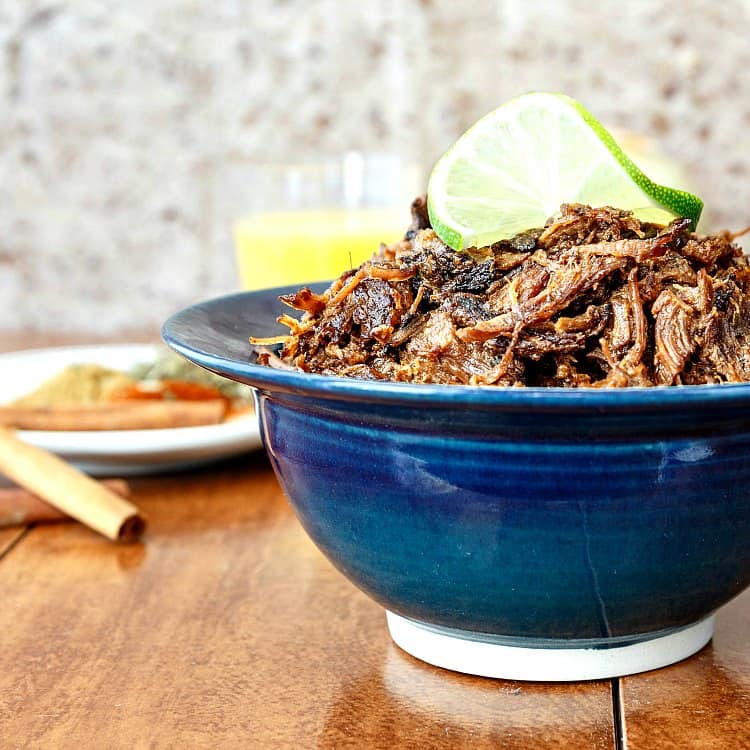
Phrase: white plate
x=120 y=452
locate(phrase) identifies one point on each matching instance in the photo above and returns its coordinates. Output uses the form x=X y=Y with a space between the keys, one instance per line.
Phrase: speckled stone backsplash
x=125 y=126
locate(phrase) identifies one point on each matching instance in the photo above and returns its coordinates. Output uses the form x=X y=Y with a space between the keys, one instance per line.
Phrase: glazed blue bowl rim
x=186 y=331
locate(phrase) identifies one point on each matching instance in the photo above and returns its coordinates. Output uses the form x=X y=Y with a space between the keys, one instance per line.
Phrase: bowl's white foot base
x=542 y=660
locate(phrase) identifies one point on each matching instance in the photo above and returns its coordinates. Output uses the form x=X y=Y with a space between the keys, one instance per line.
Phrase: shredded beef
x=595 y=298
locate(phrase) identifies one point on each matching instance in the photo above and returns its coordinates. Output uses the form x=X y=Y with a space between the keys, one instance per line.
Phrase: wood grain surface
x=702 y=703
x=13 y=341
x=225 y=627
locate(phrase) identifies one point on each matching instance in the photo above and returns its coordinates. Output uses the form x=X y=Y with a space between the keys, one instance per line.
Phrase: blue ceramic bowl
x=510 y=522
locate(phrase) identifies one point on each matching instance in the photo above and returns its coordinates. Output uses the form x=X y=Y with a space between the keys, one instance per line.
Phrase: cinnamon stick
x=19 y=506
x=125 y=415
x=69 y=490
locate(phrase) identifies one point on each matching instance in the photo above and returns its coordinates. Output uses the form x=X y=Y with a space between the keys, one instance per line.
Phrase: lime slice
x=511 y=171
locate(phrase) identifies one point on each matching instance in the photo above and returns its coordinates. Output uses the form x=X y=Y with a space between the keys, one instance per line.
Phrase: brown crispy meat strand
x=595 y=298
x=573 y=272
x=678 y=319
x=724 y=333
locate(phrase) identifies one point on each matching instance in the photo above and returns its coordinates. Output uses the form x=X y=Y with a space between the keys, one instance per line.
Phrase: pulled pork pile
x=595 y=298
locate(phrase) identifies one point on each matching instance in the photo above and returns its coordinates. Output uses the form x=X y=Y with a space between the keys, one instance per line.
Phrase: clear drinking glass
x=312 y=221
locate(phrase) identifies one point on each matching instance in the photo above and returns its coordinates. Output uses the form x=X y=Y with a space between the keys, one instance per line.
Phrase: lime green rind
x=449 y=236
x=678 y=202
x=661 y=203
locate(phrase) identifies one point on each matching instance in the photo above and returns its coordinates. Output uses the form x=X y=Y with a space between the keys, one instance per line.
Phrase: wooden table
x=226 y=628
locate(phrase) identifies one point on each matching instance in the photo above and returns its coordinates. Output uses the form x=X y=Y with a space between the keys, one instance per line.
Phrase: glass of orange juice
x=312 y=221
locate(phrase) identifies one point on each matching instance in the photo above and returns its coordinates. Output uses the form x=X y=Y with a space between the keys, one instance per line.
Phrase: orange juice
x=294 y=247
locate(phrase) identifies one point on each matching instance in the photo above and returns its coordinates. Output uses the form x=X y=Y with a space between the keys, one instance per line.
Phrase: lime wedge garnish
x=513 y=169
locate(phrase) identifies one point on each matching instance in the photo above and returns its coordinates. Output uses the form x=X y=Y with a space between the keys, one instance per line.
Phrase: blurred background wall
x=125 y=126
